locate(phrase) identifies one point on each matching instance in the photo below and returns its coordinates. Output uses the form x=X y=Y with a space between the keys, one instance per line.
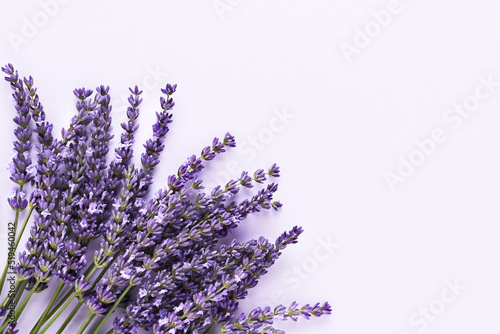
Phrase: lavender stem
x=103 y=320
x=87 y=322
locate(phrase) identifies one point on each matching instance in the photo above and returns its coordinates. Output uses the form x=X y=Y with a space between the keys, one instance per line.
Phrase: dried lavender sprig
x=20 y=165
x=124 y=153
x=84 y=116
x=217 y=148
x=204 y=209
x=100 y=136
x=201 y=302
x=254 y=256
x=270 y=253
x=260 y=254
x=41 y=129
x=200 y=238
x=204 y=231
x=136 y=182
x=88 y=167
x=71 y=191
x=260 y=320
x=154 y=146
x=121 y=212
x=115 y=177
x=23 y=94
x=148 y=265
x=96 y=195
x=49 y=233
x=207 y=228
x=54 y=152
x=286 y=238
x=92 y=158
x=156 y=290
x=93 y=192
x=94 y=210
x=179 y=204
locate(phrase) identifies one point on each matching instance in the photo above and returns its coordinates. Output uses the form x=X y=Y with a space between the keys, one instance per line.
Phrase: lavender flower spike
x=162 y=258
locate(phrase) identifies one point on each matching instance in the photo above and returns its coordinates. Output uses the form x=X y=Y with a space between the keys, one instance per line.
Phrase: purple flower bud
x=274 y=171
x=229 y=140
x=169 y=89
x=168 y=245
x=207 y=154
x=259 y=176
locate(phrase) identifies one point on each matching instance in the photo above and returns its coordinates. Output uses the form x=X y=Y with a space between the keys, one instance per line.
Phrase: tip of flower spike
x=12 y=74
x=29 y=81
x=103 y=90
x=276 y=205
x=135 y=91
x=169 y=89
x=207 y=154
x=259 y=176
x=8 y=69
x=327 y=308
x=229 y=140
x=82 y=93
x=274 y=171
x=290 y=237
x=174 y=183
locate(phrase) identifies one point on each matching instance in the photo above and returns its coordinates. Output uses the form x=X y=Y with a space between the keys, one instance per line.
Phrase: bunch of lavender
x=161 y=263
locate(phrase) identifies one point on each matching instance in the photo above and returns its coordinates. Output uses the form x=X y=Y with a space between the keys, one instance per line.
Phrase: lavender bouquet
x=161 y=261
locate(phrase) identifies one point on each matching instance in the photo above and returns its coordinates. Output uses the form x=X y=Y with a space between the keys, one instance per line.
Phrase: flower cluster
x=162 y=261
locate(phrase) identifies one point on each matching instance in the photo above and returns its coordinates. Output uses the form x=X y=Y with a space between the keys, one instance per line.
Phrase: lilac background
x=336 y=92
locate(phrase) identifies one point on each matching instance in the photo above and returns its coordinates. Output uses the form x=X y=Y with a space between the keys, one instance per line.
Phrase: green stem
x=41 y=321
x=8 y=299
x=20 y=293
x=20 y=310
x=69 y=318
x=16 y=219
x=103 y=320
x=66 y=300
x=101 y=274
x=61 y=303
x=88 y=273
x=71 y=295
x=26 y=300
x=4 y=274
x=12 y=251
x=57 y=314
x=87 y=321
x=221 y=330
x=5 y=299
x=23 y=227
